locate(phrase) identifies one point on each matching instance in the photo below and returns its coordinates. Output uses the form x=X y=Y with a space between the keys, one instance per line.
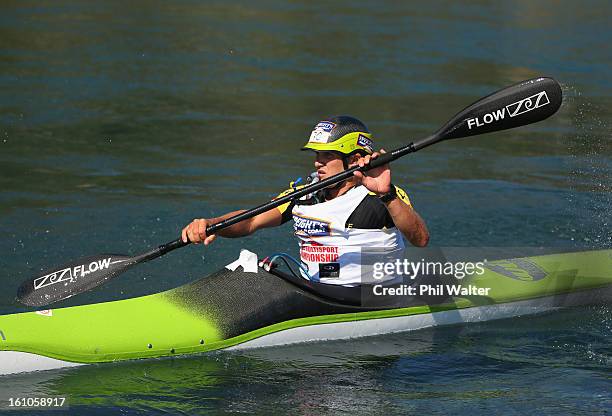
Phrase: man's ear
x=354 y=158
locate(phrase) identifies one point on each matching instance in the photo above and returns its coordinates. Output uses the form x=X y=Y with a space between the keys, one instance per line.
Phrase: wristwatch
x=389 y=196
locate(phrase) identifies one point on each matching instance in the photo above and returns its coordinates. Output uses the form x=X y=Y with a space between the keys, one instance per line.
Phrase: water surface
x=122 y=121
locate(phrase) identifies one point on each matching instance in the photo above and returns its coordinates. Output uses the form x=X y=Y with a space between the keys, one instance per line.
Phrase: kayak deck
x=241 y=310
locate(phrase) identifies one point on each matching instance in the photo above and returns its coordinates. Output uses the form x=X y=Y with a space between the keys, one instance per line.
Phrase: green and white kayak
x=235 y=309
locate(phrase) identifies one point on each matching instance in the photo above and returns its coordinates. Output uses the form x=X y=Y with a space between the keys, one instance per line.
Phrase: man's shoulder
x=288 y=191
x=293 y=186
x=401 y=195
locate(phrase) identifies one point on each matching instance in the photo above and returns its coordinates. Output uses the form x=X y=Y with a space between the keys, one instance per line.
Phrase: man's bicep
x=271 y=218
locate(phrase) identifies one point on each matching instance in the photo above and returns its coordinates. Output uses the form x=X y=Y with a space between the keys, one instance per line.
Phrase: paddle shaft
x=298 y=193
x=344 y=175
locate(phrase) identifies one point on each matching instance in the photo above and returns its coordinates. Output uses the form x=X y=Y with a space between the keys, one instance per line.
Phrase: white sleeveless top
x=333 y=253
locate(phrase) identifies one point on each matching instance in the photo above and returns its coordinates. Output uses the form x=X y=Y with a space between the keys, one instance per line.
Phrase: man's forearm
x=409 y=222
x=240 y=229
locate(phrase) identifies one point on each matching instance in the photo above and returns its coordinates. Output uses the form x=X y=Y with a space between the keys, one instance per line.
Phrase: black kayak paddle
x=520 y=104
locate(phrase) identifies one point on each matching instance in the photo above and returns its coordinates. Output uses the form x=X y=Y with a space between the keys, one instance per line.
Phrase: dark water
x=122 y=121
x=553 y=364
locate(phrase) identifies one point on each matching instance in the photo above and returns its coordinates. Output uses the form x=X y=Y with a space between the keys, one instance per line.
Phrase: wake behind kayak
x=236 y=309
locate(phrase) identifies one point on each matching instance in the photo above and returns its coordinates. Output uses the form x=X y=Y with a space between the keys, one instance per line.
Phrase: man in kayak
x=337 y=225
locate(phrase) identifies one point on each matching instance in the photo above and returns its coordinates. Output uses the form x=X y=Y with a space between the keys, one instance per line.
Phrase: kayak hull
x=14 y=362
x=373 y=327
x=237 y=310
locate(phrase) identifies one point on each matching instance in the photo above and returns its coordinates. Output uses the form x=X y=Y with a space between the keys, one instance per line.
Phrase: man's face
x=328 y=164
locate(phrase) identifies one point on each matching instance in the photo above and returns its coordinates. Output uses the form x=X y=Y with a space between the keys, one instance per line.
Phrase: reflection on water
x=487 y=365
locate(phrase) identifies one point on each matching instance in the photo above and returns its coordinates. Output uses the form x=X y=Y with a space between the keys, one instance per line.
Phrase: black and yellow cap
x=342 y=134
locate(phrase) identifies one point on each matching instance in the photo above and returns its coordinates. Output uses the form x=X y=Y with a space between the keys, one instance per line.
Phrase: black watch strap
x=389 y=196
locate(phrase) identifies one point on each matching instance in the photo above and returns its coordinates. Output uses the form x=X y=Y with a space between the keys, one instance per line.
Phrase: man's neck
x=341 y=190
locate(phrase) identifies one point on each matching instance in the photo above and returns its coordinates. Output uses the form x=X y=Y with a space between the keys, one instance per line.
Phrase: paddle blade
x=72 y=278
x=520 y=104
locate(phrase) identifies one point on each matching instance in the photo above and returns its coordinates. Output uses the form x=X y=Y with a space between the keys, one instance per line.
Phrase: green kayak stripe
x=154 y=352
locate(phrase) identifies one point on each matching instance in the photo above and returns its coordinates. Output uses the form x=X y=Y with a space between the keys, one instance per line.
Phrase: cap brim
x=318 y=147
x=346 y=145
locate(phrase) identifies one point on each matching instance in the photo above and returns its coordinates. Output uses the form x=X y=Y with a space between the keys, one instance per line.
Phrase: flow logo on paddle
x=511 y=110
x=70 y=274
